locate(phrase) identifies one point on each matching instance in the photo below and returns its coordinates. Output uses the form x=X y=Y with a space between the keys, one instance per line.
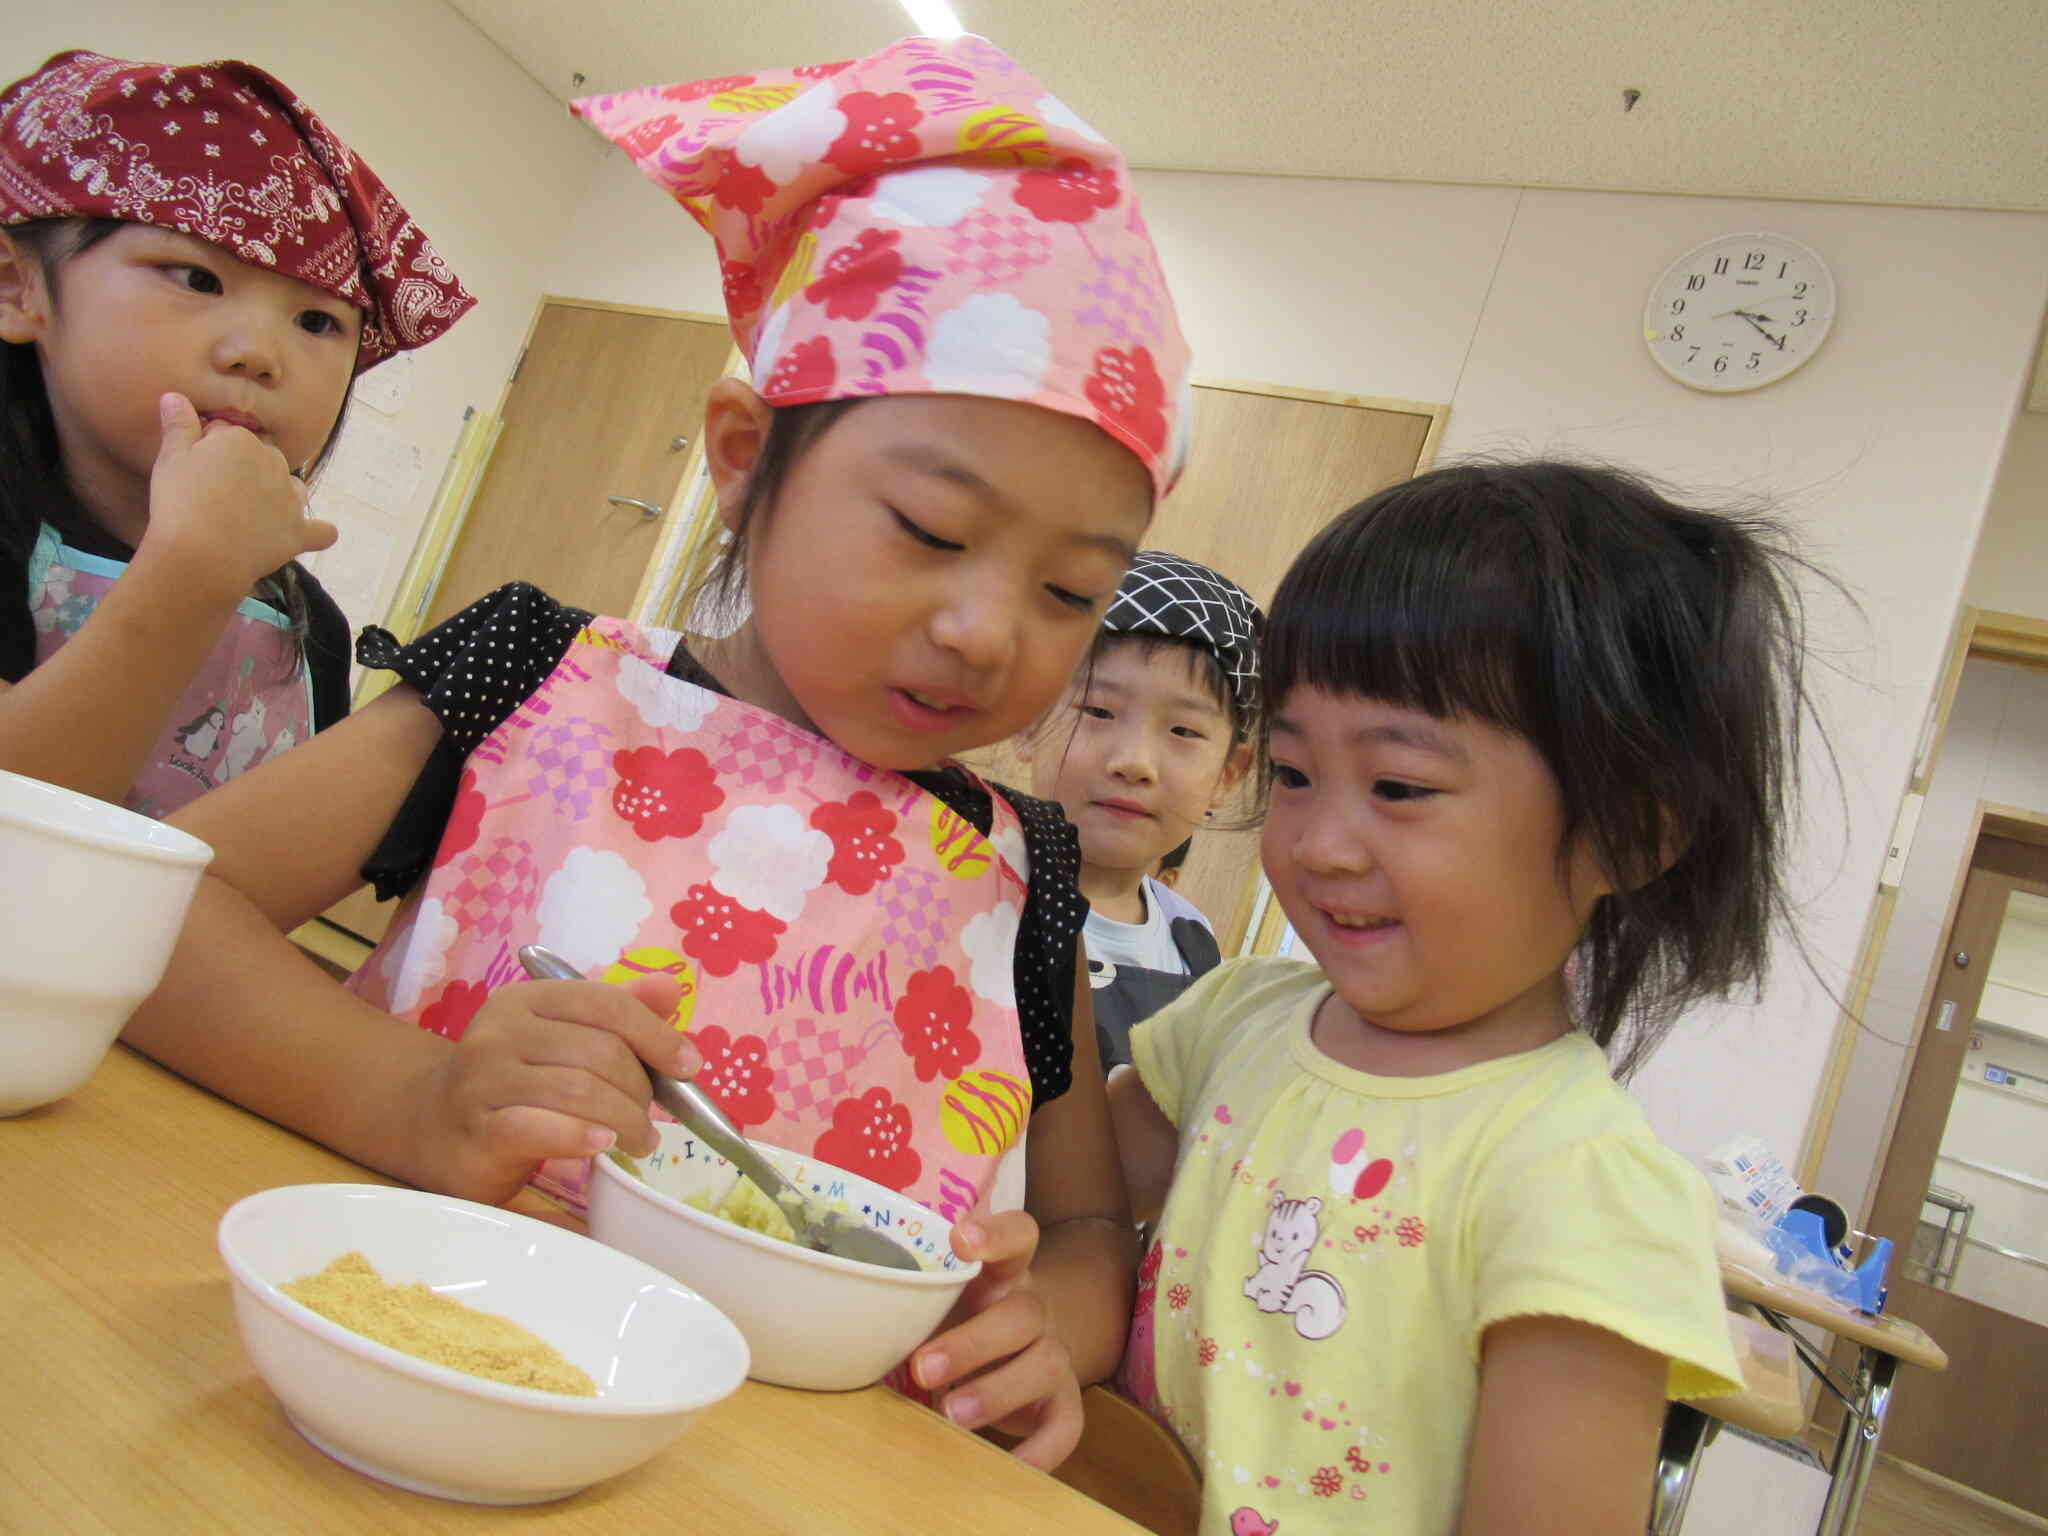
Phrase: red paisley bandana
x=230 y=155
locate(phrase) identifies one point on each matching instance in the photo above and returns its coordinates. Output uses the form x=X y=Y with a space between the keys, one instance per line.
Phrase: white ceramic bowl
x=811 y=1320
x=658 y=1352
x=90 y=906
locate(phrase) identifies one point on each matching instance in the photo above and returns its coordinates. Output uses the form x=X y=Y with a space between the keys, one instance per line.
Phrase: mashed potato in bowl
x=744 y=1205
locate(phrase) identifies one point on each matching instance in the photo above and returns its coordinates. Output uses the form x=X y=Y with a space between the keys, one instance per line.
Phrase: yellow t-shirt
x=1335 y=1244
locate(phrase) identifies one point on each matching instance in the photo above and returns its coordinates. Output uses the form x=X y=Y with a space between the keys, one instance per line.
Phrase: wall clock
x=1739 y=312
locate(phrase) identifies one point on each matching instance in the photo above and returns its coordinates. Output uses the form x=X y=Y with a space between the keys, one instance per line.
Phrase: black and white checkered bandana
x=1163 y=594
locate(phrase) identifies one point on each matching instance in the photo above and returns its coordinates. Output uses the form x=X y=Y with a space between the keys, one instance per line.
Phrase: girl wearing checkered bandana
x=193 y=268
x=1150 y=741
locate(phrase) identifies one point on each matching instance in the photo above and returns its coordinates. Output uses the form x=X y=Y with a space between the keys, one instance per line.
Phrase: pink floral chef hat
x=928 y=220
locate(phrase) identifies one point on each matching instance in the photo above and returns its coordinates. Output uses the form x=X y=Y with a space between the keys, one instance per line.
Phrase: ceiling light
x=933 y=18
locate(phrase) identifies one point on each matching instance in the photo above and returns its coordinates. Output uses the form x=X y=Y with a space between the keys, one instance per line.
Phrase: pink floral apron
x=251 y=700
x=844 y=940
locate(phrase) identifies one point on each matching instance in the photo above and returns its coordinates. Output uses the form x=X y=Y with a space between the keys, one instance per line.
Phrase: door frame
x=1979 y=634
x=464 y=472
x=1890 y=1212
x=1255 y=922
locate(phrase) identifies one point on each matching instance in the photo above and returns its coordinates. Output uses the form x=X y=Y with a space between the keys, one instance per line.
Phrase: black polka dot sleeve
x=472 y=670
x=1048 y=938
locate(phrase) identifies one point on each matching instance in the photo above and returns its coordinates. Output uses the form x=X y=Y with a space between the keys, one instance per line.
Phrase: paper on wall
x=387 y=386
x=374 y=464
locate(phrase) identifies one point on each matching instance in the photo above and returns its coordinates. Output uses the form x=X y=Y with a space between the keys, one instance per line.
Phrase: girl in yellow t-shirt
x=1420 y=1265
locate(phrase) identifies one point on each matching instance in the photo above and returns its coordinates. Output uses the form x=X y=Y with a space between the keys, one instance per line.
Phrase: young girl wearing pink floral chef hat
x=192 y=270
x=968 y=406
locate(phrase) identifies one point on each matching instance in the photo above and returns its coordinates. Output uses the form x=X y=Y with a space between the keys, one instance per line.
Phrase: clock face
x=1739 y=312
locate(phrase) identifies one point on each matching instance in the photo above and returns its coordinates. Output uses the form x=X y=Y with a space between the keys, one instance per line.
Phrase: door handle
x=648 y=510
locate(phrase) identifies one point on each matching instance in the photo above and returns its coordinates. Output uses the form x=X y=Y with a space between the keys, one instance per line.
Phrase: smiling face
x=148 y=311
x=1418 y=859
x=931 y=570
x=1137 y=756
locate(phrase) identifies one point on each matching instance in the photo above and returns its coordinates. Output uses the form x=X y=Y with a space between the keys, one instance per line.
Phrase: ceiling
x=1932 y=102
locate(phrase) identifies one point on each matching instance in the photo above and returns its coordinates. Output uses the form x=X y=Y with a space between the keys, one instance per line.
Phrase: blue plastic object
x=1799 y=1243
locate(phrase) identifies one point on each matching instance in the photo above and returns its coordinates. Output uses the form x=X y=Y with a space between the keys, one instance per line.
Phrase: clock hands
x=1756 y=323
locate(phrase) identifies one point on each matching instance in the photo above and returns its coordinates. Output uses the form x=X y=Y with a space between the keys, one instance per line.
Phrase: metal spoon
x=817 y=1227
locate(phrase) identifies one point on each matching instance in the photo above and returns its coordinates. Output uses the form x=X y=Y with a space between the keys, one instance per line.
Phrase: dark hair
x=34 y=488
x=1203 y=666
x=1652 y=653
x=1177 y=855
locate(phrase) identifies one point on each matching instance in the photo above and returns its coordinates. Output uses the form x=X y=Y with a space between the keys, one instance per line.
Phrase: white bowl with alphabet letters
x=810 y=1319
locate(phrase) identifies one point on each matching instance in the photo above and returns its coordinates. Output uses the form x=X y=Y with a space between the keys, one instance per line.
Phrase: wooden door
x=605 y=402
x=1269 y=467
x=1980 y=1422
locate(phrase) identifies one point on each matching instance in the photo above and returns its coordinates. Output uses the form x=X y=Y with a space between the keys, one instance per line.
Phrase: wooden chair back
x=1131 y=1462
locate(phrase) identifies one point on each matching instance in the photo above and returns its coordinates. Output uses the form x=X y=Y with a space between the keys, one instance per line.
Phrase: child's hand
x=224 y=503
x=545 y=1069
x=1000 y=1359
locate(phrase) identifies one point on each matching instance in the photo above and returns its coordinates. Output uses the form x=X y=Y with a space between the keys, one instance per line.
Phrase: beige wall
x=1519 y=308
x=2010 y=573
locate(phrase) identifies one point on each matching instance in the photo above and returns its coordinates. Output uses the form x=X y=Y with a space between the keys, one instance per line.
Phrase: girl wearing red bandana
x=969 y=392
x=192 y=271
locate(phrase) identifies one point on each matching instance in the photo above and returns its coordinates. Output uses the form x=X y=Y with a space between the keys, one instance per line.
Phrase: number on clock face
x=1739 y=312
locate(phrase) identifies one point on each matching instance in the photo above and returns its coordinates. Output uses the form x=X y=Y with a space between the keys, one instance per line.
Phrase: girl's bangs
x=1413 y=604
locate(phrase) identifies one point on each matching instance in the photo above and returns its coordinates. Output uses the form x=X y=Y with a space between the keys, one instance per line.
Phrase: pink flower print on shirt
x=863 y=853
x=1410 y=1230
x=877 y=131
x=1072 y=192
x=1138 y=1374
x=870 y=1136
x=736 y=1074
x=721 y=934
x=665 y=794
x=465 y=821
x=804 y=375
x=449 y=1014
x=1328 y=1482
x=935 y=1019
x=858 y=274
x=1127 y=389
x=1353 y=1171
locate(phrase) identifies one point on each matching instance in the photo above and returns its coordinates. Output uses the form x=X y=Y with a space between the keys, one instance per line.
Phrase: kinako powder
x=436 y=1328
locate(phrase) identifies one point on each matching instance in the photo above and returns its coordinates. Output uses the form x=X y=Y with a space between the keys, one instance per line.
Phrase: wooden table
x=1769 y=1403
x=127 y=1404
x=1883 y=1343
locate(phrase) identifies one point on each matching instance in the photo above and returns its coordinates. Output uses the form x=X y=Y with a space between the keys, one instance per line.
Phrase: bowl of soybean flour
x=465 y=1351
x=430 y=1326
